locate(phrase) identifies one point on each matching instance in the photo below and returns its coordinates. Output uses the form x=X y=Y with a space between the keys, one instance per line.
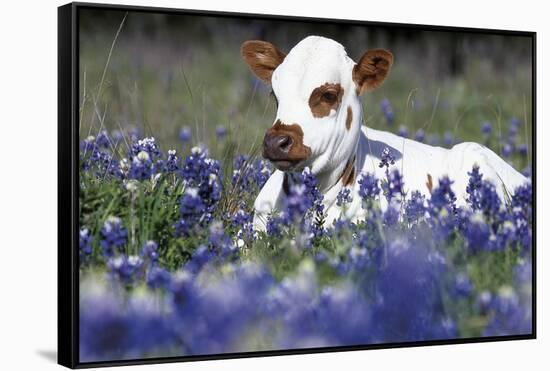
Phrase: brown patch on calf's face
x=297 y=151
x=325 y=98
x=371 y=70
x=348 y=175
x=349 y=118
x=262 y=58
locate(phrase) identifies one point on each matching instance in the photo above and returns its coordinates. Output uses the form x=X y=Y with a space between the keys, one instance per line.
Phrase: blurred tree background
x=166 y=72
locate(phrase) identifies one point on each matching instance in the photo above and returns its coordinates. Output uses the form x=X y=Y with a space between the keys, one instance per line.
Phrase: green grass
x=160 y=87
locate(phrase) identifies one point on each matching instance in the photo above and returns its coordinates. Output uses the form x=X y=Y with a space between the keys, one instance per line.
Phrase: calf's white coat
x=317 y=60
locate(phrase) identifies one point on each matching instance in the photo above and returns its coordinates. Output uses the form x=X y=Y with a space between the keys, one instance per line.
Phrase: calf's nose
x=278 y=144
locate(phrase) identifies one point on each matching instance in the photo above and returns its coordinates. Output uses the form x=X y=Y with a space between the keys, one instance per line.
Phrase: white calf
x=319 y=125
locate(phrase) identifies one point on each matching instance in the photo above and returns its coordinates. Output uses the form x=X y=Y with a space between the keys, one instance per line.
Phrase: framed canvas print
x=236 y=185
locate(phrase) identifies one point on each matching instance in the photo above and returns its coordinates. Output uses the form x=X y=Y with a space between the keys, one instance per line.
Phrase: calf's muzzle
x=283 y=145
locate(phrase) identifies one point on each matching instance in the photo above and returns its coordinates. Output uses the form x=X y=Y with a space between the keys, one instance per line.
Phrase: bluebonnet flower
x=442 y=208
x=200 y=257
x=342 y=302
x=391 y=215
x=359 y=257
x=386 y=159
x=243 y=221
x=393 y=186
x=219 y=241
x=419 y=135
x=477 y=233
x=192 y=210
x=522 y=199
x=507 y=150
x=408 y=304
x=304 y=196
x=158 y=277
x=522 y=214
x=475 y=182
x=315 y=196
x=113 y=236
x=172 y=162
x=415 y=208
x=147 y=145
x=274 y=225
x=185 y=134
x=403 y=131
x=482 y=194
x=93 y=156
x=523 y=273
x=297 y=203
x=141 y=327
x=149 y=251
x=87 y=144
x=509 y=316
x=486 y=128
x=462 y=287
x=102 y=139
x=513 y=128
x=141 y=167
x=221 y=131
x=248 y=173
x=443 y=196
x=504 y=234
x=523 y=149
x=448 y=139
x=127 y=270
x=369 y=188
x=201 y=175
x=343 y=197
x=85 y=244
x=387 y=110
x=483 y=301
x=368 y=236
x=302 y=206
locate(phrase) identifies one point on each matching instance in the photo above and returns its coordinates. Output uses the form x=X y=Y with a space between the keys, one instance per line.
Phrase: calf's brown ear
x=262 y=58
x=372 y=69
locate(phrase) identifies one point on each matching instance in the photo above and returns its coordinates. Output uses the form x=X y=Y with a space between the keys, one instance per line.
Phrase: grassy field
x=159 y=84
x=169 y=262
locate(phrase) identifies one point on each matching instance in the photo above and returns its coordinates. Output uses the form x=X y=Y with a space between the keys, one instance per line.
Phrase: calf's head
x=316 y=87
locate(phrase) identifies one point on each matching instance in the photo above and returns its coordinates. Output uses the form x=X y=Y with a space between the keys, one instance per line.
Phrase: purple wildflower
x=85 y=244
x=113 y=236
x=369 y=188
x=419 y=135
x=343 y=197
x=127 y=270
x=486 y=128
x=221 y=131
x=403 y=131
x=185 y=134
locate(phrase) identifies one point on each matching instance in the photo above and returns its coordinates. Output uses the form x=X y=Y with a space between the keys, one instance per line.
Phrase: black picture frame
x=68 y=191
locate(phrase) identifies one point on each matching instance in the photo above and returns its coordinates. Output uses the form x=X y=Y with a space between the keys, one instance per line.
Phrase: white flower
x=143 y=156
x=191 y=191
x=132 y=185
x=123 y=165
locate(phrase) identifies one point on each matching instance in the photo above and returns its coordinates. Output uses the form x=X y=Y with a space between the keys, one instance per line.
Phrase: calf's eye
x=329 y=97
